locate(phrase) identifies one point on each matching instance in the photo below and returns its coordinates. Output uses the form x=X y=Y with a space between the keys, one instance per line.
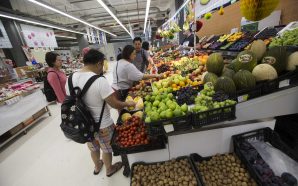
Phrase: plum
x=289 y=179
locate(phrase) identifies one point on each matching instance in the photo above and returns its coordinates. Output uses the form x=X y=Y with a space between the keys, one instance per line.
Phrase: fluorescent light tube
x=38 y=23
x=69 y=16
x=68 y=37
x=113 y=15
x=146 y=14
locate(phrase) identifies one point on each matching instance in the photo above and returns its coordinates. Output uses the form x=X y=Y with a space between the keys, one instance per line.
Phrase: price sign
x=284 y=83
x=242 y=98
x=169 y=128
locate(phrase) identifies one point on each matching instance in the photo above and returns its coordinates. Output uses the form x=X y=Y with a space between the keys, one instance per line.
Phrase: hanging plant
x=255 y=10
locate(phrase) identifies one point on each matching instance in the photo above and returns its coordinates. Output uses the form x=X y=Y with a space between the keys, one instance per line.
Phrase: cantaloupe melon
x=264 y=72
x=292 y=61
x=258 y=47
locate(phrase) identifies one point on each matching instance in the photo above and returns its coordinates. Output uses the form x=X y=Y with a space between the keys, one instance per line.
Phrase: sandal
x=100 y=167
x=117 y=166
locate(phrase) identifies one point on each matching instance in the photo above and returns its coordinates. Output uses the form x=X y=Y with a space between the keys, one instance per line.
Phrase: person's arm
x=56 y=85
x=107 y=93
x=150 y=76
x=116 y=104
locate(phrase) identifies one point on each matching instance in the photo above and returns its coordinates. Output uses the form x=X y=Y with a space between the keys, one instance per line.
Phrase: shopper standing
x=125 y=73
x=94 y=98
x=55 y=77
x=142 y=59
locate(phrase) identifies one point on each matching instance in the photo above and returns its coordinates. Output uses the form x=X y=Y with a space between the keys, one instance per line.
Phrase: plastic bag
x=277 y=160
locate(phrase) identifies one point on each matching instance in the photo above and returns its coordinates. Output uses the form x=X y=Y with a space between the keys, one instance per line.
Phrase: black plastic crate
x=213 y=116
x=156 y=143
x=181 y=123
x=155 y=163
x=266 y=135
x=196 y=158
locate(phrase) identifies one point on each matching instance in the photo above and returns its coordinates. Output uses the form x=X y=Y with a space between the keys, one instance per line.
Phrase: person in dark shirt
x=188 y=41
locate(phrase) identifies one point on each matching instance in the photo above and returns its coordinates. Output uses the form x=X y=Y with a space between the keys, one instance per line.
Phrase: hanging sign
x=38 y=37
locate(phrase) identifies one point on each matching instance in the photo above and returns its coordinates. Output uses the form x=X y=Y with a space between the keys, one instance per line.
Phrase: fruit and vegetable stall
x=216 y=105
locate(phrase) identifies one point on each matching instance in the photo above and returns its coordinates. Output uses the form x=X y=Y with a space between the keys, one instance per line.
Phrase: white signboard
x=38 y=37
x=4 y=40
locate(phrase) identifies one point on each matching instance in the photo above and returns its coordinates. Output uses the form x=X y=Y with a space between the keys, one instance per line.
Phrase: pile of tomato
x=132 y=132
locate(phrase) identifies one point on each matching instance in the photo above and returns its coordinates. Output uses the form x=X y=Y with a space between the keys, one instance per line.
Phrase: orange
x=181 y=83
x=174 y=86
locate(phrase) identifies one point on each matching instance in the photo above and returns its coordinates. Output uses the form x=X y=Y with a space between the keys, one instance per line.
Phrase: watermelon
x=276 y=57
x=225 y=84
x=244 y=80
x=264 y=72
x=210 y=77
x=228 y=73
x=215 y=63
x=258 y=47
x=246 y=60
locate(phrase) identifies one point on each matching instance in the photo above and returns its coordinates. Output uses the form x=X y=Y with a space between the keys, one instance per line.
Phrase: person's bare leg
x=107 y=160
x=95 y=155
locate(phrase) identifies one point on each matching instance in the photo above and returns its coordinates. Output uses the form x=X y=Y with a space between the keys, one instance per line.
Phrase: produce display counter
x=14 y=114
x=253 y=114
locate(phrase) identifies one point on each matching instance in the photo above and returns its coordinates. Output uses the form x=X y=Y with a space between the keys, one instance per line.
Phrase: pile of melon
x=250 y=66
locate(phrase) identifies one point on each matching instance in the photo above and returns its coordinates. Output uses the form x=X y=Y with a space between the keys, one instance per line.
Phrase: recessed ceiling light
x=70 y=16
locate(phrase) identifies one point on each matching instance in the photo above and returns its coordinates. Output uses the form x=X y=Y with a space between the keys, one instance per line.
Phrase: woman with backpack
x=56 y=78
x=99 y=93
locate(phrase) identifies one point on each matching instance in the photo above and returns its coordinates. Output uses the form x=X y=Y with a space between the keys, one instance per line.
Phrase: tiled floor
x=44 y=157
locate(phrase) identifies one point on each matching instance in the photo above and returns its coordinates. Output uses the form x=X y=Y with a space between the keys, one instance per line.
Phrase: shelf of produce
x=13 y=115
x=250 y=116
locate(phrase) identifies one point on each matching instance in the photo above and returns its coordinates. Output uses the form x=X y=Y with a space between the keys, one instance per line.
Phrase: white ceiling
x=91 y=11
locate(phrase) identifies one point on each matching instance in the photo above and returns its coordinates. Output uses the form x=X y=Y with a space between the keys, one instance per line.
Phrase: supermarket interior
x=148 y=92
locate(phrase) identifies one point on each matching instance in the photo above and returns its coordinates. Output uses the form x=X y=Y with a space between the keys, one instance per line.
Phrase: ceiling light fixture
x=181 y=7
x=113 y=15
x=38 y=23
x=69 y=16
x=146 y=14
x=68 y=37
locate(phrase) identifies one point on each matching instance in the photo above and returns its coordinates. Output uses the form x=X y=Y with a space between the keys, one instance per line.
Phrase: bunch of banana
x=224 y=37
x=235 y=37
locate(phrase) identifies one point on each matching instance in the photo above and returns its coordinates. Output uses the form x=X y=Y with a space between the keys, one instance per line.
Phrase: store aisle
x=44 y=157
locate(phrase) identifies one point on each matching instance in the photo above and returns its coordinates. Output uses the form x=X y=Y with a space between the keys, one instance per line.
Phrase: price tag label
x=242 y=98
x=168 y=128
x=284 y=83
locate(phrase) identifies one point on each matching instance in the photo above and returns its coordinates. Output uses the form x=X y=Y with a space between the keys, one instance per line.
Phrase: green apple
x=169 y=102
x=177 y=112
x=156 y=103
x=169 y=114
x=147 y=98
x=170 y=95
x=148 y=120
x=154 y=116
x=162 y=115
x=152 y=98
x=184 y=108
x=158 y=97
x=172 y=106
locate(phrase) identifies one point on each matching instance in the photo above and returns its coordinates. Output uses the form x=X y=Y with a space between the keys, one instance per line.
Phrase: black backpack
x=48 y=90
x=77 y=121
